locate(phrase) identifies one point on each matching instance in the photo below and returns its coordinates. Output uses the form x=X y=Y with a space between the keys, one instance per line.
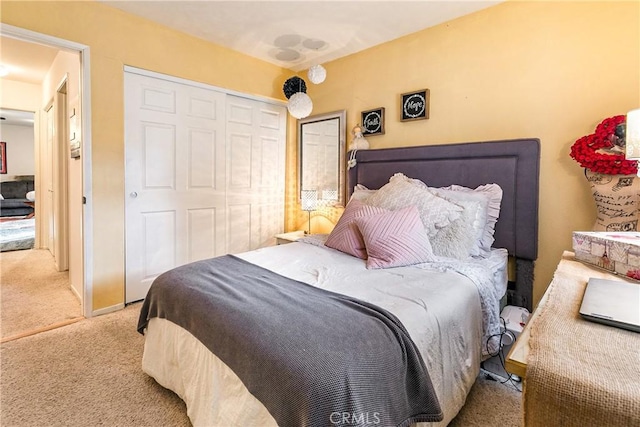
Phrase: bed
x=363 y=341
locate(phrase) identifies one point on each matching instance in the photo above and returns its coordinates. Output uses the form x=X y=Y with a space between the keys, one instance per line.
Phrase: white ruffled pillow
x=492 y=196
x=460 y=239
x=467 y=231
x=400 y=192
x=361 y=193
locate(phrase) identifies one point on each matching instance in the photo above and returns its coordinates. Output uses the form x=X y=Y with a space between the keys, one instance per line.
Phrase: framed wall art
x=373 y=122
x=3 y=157
x=414 y=105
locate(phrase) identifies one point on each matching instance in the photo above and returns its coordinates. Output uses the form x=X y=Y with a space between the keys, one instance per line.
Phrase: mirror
x=321 y=144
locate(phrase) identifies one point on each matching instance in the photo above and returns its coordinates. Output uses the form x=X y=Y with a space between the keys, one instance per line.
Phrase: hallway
x=34 y=297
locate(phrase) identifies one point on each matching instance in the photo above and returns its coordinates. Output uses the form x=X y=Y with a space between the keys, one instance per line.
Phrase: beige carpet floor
x=88 y=374
x=33 y=295
x=85 y=374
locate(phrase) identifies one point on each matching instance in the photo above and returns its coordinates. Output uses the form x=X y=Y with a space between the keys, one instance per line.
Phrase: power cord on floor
x=511 y=338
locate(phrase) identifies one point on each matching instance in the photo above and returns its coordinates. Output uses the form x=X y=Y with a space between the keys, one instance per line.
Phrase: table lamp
x=632 y=136
x=309 y=202
x=329 y=197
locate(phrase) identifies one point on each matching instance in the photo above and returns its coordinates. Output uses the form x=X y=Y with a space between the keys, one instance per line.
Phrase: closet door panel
x=256 y=134
x=204 y=175
x=174 y=177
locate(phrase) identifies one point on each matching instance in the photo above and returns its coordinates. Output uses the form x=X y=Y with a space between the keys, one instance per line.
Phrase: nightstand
x=285 y=238
x=573 y=369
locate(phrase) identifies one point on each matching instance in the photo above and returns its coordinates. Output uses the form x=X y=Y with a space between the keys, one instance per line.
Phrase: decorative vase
x=617 y=200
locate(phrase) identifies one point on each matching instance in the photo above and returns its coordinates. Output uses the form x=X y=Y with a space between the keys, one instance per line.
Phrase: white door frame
x=45 y=175
x=61 y=173
x=85 y=108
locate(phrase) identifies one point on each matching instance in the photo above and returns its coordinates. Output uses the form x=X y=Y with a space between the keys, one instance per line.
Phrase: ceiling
x=16 y=117
x=28 y=63
x=291 y=34
x=302 y=33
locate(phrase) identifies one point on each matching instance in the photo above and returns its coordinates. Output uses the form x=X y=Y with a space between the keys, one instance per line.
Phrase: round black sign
x=414 y=106
x=372 y=122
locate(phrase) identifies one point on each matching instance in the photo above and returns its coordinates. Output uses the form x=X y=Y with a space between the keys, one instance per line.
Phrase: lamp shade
x=317 y=74
x=330 y=195
x=632 y=136
x=294 y=85
x=309 y=200
x=300 y=105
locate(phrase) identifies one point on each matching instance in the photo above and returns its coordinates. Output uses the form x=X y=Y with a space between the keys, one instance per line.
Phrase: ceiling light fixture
x=293 y=85
x=317 y=74
x=300 y=105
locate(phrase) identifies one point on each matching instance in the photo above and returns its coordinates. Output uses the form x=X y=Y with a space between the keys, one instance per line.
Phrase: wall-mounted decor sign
x=414 y=105
x=3 y=157
x=373 y=122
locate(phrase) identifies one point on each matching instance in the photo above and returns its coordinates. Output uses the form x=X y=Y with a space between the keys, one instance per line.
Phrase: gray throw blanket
x=312 y=357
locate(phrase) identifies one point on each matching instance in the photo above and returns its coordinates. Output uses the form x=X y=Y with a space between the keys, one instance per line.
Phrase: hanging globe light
x=294 y=85
x=317 y=74
x=300 y=105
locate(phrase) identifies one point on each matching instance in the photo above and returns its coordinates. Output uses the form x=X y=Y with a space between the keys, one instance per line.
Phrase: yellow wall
x=551 y=70
x=117 y=39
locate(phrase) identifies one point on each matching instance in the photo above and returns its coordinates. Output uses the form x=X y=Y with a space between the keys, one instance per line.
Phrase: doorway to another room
x=36 y=278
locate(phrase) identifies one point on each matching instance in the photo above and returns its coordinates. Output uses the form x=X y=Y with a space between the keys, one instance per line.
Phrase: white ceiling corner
x=267 y=29
x=254 y=27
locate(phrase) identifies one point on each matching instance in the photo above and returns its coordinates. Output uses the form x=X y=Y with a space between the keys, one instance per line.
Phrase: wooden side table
x=516 y=361
x=583 y=373
x=285 y=238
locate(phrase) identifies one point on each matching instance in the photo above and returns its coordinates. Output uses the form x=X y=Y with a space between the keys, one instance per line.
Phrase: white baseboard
x=107 y=310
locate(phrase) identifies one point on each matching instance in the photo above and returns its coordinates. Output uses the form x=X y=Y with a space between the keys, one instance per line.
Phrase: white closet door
x=175 y=177
x=256 y=139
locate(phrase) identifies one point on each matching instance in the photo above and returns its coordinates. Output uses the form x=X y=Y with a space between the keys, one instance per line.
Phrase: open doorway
x=17 y=176
x=58 y=176
x=36 y=292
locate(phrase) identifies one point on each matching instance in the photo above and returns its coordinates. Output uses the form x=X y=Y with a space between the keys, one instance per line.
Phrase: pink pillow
x=345 y=236
x=395 y=238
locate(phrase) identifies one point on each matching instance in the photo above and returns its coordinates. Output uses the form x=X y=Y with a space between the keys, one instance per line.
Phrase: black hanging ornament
x=294 y=85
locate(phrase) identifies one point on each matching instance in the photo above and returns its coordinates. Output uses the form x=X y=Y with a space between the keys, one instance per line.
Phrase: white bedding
x=440 y=308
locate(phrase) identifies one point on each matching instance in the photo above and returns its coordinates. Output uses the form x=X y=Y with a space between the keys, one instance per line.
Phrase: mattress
x=442 y=305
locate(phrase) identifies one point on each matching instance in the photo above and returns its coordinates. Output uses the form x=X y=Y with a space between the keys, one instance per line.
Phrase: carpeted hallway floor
x=33 y=295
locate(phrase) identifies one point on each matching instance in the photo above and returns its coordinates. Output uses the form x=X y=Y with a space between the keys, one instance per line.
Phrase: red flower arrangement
x=596 y=151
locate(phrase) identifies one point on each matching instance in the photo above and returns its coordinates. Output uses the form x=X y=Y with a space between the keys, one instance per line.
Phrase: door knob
x=133 y=194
